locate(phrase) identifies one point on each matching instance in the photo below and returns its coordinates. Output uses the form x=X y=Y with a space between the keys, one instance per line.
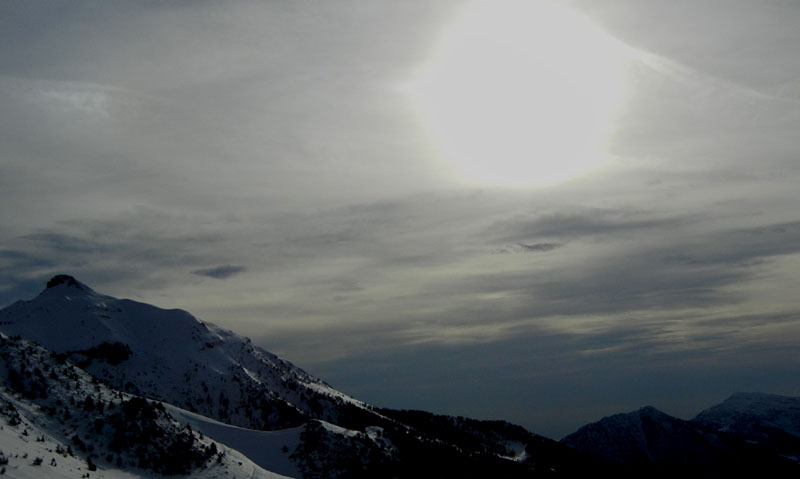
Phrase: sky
x=544 y=212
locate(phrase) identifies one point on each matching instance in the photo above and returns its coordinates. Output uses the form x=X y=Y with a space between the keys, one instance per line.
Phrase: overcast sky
x=266 y=166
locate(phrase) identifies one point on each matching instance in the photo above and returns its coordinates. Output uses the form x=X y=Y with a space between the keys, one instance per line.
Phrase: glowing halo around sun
x=520 y=93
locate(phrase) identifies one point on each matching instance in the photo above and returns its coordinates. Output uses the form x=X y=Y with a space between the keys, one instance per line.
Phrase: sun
x=520 y=93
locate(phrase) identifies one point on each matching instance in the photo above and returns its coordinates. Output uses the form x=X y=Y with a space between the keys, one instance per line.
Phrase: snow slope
x=21 y=451
x=268 y=449
x=173 y=357
x=57 y=421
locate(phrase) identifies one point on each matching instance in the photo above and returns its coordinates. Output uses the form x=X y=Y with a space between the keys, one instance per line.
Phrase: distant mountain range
x=94 y=386
x=748 y=434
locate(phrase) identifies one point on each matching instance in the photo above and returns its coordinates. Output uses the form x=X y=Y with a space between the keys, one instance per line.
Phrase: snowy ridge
x=106 y=433
x=743 y=413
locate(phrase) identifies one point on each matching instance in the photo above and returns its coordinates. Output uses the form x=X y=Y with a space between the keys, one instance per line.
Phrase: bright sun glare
x=520 y=93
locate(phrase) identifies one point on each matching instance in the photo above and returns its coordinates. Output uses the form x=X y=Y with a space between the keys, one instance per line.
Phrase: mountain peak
x=66 y=281
x=652 y=413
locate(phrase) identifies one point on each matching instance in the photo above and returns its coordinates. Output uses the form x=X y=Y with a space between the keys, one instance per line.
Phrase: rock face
x=67 y=280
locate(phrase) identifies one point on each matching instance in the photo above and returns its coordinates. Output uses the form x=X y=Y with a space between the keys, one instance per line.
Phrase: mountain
x=197 y=383
x=767 y=420
x=171 y=356
x=58 y=421
x=642 y=438
x=718 y=443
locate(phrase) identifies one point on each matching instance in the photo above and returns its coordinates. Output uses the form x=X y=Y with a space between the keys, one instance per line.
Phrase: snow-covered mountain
x=646 y=440
x=768 y=420
x=746 y=414
x=171 y=356
x=720 y=442
x=78 y=363
x=645 y=435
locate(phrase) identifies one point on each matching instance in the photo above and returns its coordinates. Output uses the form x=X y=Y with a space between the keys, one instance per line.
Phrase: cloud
x=220 y=272
x=749 y=59
x=659 y=271
x=581 y=223
x=539 y=247
x=528 y=248
x=68 y=243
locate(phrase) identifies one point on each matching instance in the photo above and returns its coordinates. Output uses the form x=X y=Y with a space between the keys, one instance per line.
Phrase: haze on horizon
x=544 y=212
